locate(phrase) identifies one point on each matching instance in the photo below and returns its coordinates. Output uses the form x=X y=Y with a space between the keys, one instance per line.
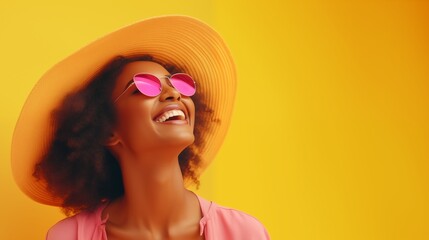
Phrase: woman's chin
x=179 y=140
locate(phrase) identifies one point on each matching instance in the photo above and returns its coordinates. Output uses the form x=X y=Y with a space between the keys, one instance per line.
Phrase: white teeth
x=169 y=114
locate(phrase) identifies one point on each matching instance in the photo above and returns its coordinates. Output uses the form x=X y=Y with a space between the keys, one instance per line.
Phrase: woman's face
x=145 y=124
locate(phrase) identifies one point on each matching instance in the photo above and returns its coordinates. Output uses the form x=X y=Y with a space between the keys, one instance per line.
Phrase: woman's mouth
x=171 y=115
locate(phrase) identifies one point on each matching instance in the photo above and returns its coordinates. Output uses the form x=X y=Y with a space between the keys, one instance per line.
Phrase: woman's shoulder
x=79 y=226
x=64 y=229
x=241 y=223
x=229 y=223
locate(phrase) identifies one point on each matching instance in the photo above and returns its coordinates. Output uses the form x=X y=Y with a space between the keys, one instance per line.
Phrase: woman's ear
x=112 y=140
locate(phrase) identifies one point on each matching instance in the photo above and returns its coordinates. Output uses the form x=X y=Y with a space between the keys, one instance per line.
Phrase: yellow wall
x=330 y=134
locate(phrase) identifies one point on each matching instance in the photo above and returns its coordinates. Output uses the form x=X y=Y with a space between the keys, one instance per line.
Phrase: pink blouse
x=218 y=223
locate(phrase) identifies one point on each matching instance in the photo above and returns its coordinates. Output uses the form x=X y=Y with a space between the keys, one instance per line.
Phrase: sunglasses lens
x=148 y=84
x=183 y=83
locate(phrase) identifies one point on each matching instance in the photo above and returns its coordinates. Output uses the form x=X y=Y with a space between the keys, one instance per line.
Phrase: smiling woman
x=115 y=132
x=84 y=120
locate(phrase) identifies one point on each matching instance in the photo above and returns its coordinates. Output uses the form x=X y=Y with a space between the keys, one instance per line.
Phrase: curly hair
x=78 y=168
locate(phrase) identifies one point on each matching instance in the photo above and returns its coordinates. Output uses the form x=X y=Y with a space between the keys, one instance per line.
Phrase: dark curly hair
x=78 y=168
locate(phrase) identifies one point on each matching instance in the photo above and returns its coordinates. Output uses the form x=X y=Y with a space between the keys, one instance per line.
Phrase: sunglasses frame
x=168 y=77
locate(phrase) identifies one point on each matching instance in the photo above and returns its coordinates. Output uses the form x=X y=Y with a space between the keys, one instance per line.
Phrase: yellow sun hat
x=183 y=41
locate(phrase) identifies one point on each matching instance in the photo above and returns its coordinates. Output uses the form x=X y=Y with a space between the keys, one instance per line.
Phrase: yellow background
x=330 y=134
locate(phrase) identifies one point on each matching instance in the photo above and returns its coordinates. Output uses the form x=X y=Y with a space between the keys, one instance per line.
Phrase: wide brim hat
x=183 y=41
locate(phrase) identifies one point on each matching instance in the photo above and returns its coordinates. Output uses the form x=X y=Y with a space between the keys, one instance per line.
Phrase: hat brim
x=182 y=41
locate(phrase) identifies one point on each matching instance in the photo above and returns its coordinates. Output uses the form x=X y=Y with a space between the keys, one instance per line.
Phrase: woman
x=113 y=133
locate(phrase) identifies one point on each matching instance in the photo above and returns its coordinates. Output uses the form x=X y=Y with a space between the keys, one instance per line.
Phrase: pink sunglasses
x=150 y=85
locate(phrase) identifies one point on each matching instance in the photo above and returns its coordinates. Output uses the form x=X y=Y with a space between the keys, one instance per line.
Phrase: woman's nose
x=169 y=93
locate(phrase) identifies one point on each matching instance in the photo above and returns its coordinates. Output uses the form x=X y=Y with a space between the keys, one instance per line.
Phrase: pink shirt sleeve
x=83 y=226
x=234 y=224
x=63 y=230
x=229 y=224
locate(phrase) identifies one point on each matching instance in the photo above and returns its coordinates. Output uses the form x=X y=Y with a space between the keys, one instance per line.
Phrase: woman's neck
x=155 y=199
